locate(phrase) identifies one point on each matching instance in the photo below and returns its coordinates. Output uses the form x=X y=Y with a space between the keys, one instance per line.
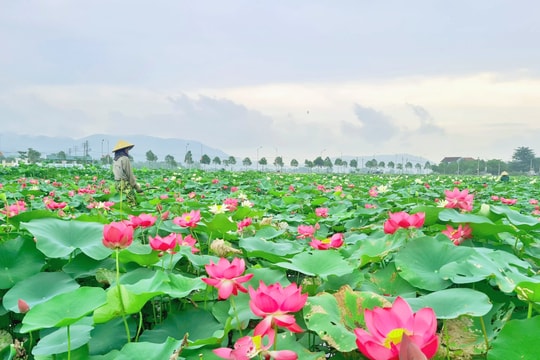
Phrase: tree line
x=524 y=160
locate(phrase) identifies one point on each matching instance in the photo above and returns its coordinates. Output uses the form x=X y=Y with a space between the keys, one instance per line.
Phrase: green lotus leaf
x=518 y=339
x=420 y=260
x=452 y=303
x=38 y=289
x=19 y=259
x=321 y=263
x=59 y=238
x=57 y=341
x=64 y=309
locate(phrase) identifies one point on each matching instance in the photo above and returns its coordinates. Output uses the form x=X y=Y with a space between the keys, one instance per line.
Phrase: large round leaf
x=270 y=250
x=518 y=339
x=58 y=238
x=19 y=259
x=57 y=341
x=64 y=309
x=198 y=324
x=421 y=259
x=318 y=263
x=452 y=303
x=38 y=289
x=146 y=350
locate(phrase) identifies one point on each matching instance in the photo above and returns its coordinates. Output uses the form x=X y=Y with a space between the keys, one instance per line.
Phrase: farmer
x=504 y=177
x=124 y=178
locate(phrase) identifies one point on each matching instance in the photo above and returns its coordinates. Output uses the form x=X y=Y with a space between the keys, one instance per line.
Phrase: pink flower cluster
x=274 y=303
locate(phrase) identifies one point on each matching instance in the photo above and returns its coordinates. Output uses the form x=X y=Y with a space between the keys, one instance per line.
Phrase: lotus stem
x=68 y=343
x=233 y=305
x=120 y=295
x=484 y=331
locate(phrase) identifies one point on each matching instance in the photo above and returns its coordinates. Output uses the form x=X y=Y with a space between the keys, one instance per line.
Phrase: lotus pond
x=241 y=265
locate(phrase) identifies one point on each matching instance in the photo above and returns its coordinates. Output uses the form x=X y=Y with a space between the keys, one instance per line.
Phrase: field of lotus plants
x=254 y=265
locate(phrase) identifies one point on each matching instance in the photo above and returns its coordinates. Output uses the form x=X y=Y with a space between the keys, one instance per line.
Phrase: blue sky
x=291 y=78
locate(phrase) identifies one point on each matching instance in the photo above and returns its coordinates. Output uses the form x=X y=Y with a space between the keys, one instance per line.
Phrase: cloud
x=219 y=120
x=374 y=126
x=427 y=123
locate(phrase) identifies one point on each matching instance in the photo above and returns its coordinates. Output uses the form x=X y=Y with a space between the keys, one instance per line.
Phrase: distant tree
x=294 y=163
x=150 y=156
x=278 y=162
x=328 y=164
x=246 y=162
x=61 y=155
x=188 y=159
x=408 y=165
x=33 y=156
x=309 y=164
x=169 y=160
x=23 y=155
x=318 y=162
x=399 y=166
x=391 y=165
x=371 y=164
x=522 y=159
x=216 y=161
x=232 y=160
x=353 y=163
x=418 y=167
x=338 y=162
x=263 y=162
x=427 y=166
x=205 y=160
x=382 y=164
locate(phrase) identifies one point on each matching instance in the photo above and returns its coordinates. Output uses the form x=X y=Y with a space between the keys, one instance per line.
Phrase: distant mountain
x=99 y=145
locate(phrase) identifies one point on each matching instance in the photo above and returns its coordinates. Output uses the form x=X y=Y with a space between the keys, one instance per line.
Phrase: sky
x=291 y=78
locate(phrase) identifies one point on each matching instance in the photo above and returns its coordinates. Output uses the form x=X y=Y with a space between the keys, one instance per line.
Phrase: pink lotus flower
x=459 y=199
x=305 y=231
x=458 y=235
x=117 y=235
x=386 y=328
x=249 y=347
x=143 y=220
x=533 y=201
x=53 y=205
x=333 y=242
x=370 y=206
x=403 y=220
x=274 y=304
x=188 y=240
x=163 y=244
x=227 y=276
x=244 y=223
x=508 y=201
x=373 y=192
x=14 y=209
x=189 y=219
x=231 y=203
x=321 y=212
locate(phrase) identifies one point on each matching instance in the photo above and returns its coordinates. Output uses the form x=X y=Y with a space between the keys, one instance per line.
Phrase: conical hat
x=122 y=144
